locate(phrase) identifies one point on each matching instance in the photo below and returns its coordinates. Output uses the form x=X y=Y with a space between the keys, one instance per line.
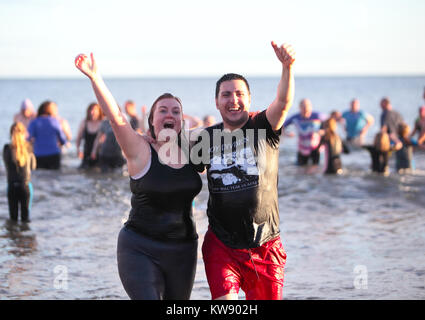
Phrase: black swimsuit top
x=161 y=204
x=89 y=138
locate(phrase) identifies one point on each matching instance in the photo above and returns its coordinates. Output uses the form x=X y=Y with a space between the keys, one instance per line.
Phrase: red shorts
x=257 y=271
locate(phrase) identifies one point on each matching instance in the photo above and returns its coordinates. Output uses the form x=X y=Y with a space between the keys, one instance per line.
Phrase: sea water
x=354 y=236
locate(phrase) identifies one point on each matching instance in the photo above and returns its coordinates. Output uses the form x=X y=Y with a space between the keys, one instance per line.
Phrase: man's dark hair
x=228 y=77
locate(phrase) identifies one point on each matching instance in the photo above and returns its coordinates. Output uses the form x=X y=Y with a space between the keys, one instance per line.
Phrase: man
x=107 y=149
x=357 y=123
x=308 y=125
x=242 y=247
x=390 y=119
x=136 y=123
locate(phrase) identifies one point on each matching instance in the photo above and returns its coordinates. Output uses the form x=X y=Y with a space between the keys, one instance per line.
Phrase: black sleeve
x=196 y=153
x=261 y=122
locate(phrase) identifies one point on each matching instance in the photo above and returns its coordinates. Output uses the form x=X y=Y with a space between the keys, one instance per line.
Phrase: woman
x=19 y=161
x=157 y=247
x=381 y=150
x=88 y=131
x=419 y=127
x=404 y=156
x=47 y=136
x=334 y=146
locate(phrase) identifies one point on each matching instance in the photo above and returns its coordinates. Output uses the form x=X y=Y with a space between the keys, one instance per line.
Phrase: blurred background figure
x=19 y=161
x=419 y=127
x=208 y=121
x=404 y=155
x=390 y=119
x=136 y=122
x=26 y=114
x=308 y=124
x=357 y=123
x=47 y=136
x=334 y=147
x=88 y=131
x=64 y=124
x=380 y=151
x=106 y=149
x=191 y=122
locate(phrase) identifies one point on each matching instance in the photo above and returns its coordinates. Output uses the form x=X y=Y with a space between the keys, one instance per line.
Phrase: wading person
x=19 y=161
x=308 y=124
x=47 y=136
x=242 y=247
x=157 y=246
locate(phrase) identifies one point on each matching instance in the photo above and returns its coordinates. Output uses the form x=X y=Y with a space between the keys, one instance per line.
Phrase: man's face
x=130 y=109
x=355 y=105
x=385 y=104
x=306 y=108
x=233 y=102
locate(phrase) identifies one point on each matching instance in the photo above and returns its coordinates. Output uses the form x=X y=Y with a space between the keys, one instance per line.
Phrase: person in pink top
x=26 y=114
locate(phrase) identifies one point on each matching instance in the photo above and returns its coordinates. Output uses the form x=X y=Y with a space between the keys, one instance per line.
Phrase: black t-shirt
x=161 y=204
x=392 y=119
x=242 y=169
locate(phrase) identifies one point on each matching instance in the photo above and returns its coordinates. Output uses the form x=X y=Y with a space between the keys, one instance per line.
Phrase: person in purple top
x=308 y=124
x=47 y=137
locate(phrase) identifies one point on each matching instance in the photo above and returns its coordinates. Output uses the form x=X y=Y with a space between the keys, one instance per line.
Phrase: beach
x=355 y=236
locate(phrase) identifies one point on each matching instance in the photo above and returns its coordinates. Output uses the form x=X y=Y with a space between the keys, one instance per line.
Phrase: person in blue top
x=308 y=124
x=357 y=123
x=47 y=137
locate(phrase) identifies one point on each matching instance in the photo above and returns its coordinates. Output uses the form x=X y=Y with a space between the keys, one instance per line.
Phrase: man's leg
x=301 y=159
x=315 y=156
x=264 y=273
x=223 y=273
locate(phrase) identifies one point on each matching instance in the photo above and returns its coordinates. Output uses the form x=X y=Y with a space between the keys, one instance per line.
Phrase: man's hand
x=285 y=53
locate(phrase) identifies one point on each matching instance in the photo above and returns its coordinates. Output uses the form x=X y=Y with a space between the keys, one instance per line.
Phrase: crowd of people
x=46 y=133
x=157 y=246
x=317 y=133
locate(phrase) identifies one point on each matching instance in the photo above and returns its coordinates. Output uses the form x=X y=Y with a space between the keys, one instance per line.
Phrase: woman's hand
x=86 y=65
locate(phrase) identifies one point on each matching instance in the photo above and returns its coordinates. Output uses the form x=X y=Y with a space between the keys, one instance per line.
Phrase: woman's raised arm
x=135 y=148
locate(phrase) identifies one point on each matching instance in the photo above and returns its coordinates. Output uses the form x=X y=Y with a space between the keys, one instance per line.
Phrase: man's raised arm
x=278 y=109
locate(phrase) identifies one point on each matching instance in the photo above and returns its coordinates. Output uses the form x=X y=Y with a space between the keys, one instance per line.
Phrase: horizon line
x=209 y=76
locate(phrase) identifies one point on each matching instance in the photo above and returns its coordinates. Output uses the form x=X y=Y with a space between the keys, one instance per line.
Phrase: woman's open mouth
x=169 y=125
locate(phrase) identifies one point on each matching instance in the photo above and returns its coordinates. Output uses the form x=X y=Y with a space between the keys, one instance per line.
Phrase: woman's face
x=167 y=115
x=95 y=113
x=53 y=109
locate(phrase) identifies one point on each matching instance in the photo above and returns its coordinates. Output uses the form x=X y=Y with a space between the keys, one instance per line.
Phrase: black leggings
x=19 y=194
x=52 y=162
x=302 y=160
x=154 y=270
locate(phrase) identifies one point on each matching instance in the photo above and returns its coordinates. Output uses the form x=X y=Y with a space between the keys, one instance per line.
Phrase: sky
x=40 y=38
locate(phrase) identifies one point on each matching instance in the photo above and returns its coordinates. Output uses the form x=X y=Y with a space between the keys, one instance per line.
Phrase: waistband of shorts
x=265 y=244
